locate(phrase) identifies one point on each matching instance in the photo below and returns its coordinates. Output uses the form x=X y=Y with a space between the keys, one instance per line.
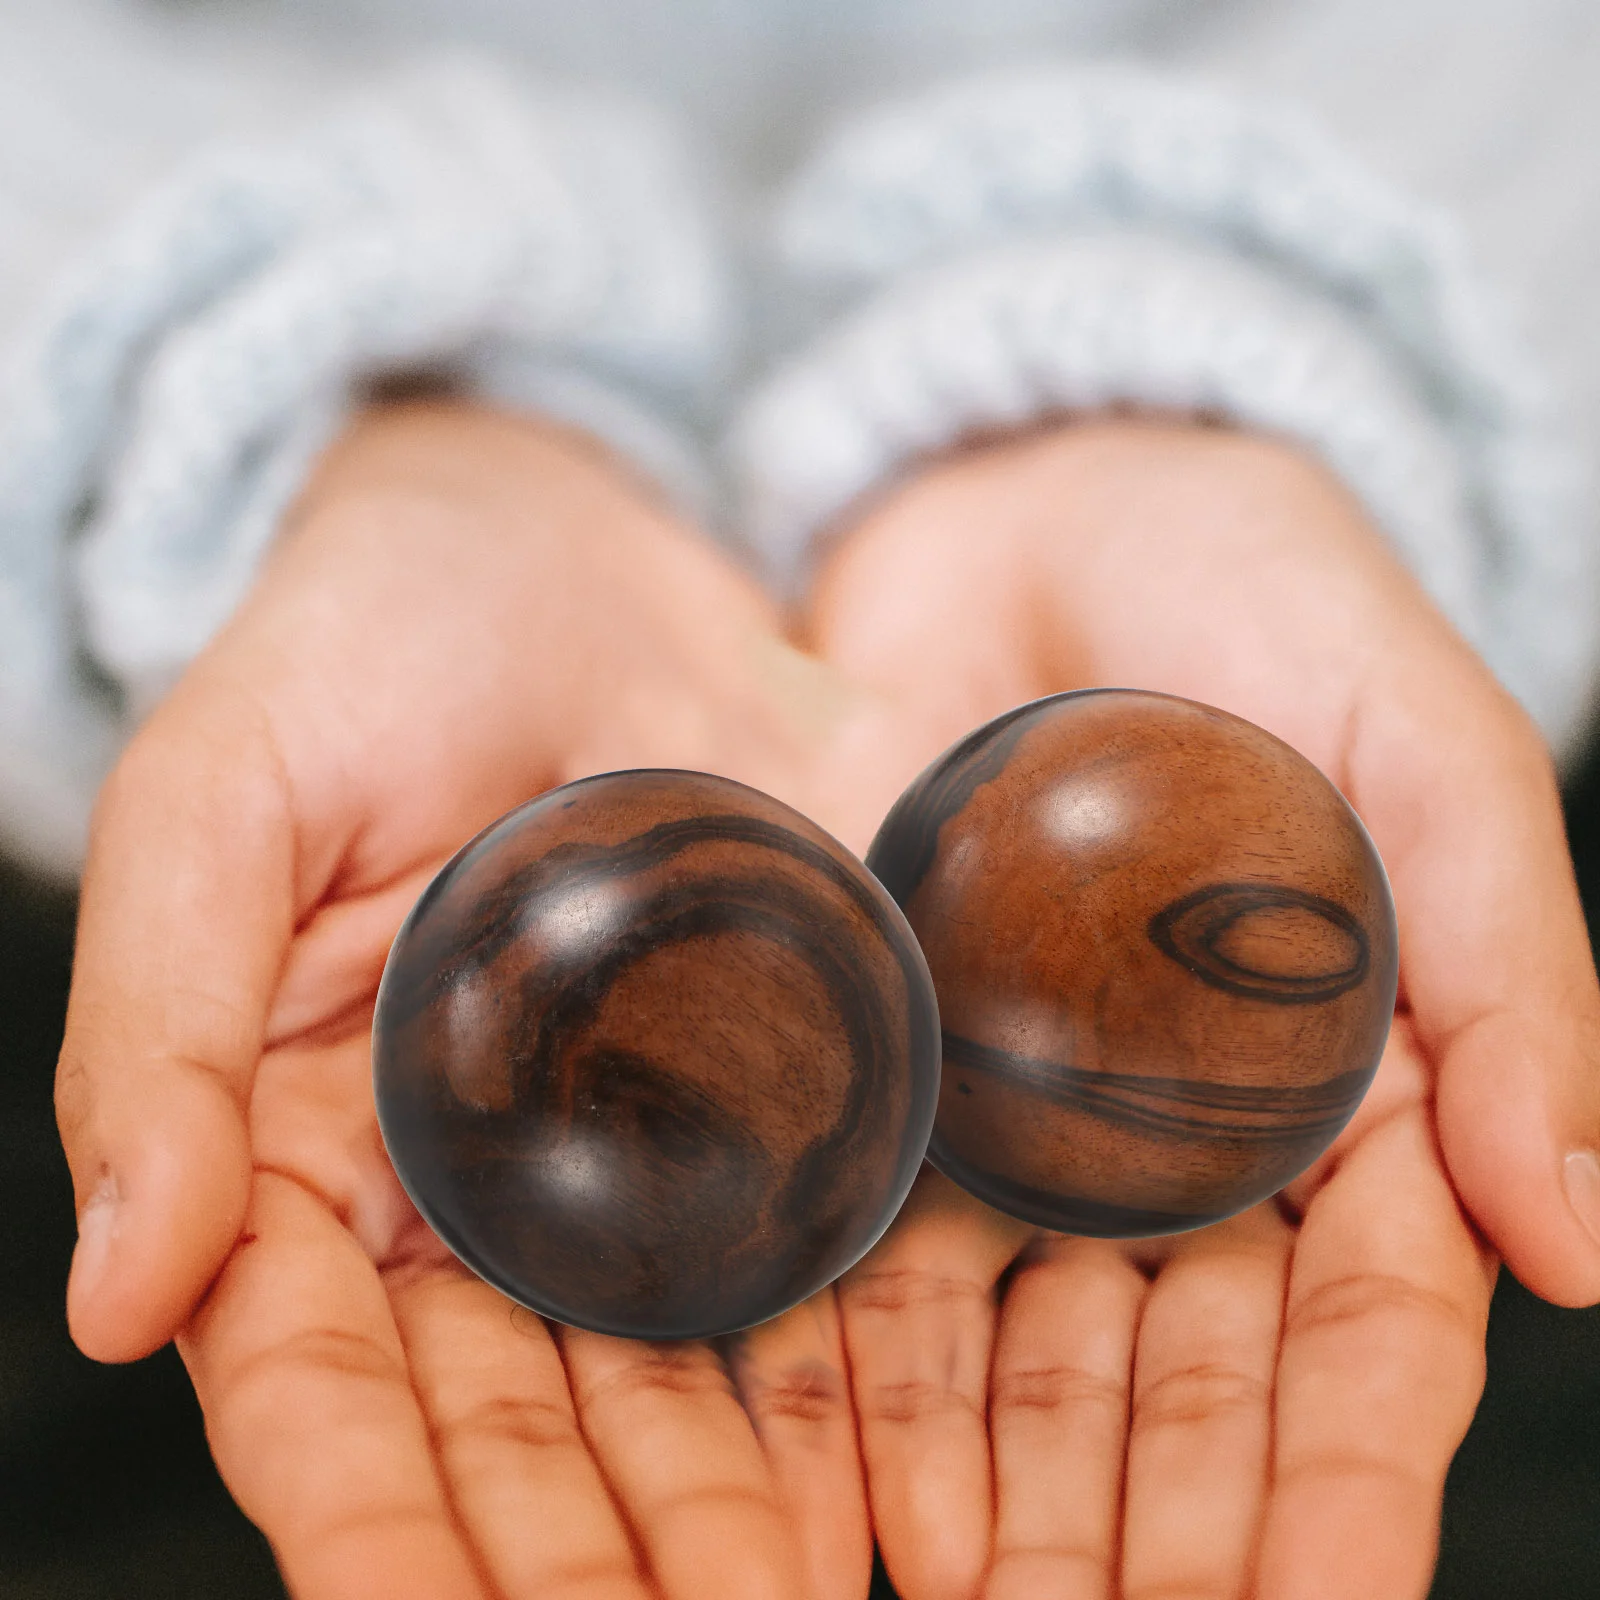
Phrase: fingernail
x=1582 y=1177
x=97 y=1232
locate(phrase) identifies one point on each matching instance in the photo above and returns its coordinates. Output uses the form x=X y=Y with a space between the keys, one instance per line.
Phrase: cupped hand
x=464 y=610
x=1266 y=1407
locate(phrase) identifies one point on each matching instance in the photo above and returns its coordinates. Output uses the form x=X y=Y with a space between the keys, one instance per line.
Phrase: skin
x=467 y=608
x=1273 y=1401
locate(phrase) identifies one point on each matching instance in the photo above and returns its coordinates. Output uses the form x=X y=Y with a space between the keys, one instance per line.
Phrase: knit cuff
x=537 y=249
x=1001 y=250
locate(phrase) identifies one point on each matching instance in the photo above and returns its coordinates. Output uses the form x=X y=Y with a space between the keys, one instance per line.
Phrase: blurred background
x=1486 y=107
x=106 y=1489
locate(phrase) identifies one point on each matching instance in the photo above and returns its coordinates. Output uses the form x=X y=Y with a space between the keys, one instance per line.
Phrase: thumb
x=1495 y=964
x=186 y=913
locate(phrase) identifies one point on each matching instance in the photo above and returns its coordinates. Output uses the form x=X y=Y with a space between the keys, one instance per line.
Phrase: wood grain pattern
x=656 y=1056
x=1165 y=956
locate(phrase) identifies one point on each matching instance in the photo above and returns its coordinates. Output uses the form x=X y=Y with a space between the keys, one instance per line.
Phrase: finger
x=1497 y=969
x=1380 y=1371
x=919 y=1317
x=682 y=1460
x=519 y=1474
x=186 y=913
x=1201 y=1434
x=311 y=1415
x=338 y=954
x=1058 y=1420
x=790 y=1377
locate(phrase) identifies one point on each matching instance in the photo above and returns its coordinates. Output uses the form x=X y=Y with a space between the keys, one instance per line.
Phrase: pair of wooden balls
x=656 y=1056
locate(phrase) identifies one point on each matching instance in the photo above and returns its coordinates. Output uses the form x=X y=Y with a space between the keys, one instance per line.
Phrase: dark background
x=106 y=1490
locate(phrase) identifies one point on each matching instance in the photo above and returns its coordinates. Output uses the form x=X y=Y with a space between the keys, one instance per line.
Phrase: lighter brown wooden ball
x=1165 y=956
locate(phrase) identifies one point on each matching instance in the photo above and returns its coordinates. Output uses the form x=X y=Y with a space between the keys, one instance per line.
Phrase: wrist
x=493 y=500
x=462 y=455
x=1072 y=492
x=1054 y=551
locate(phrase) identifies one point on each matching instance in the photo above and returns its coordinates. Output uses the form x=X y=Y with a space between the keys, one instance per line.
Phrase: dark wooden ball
x=656 y=1056
x=1165 y=956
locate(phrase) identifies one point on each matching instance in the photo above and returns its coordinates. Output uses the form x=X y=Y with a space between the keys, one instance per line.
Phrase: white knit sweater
x=220 y=222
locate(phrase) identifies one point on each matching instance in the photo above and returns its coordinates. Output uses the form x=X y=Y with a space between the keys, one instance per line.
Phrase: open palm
x=469 y=610
x=466 y=611
x=1267 y=1406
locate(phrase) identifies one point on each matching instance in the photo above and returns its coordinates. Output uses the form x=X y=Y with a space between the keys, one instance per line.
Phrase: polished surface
x=656 y=1056
x=1165 y=956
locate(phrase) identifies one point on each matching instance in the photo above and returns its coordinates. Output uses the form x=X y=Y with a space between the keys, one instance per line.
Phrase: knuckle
x=1198 y=1393
x=296 y=1374
x=230 y=1049
x=417 y=1262
x=223 y=1042
x=663 y=1372
x=813 y=1394
x=1376 y=1303
x=1053 y=1389
x=895 y=1290
x=1399 y=1479
x=915 y=1402
x=517 y=1420
x=331 y=1352
x=74 y=1099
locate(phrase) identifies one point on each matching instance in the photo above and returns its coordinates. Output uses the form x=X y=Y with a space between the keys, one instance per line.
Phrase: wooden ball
x=654 y=1055
x=1165 y=956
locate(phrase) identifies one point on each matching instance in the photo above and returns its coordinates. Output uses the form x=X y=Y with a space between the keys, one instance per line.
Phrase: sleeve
x=1060 y=241
x=539 y=249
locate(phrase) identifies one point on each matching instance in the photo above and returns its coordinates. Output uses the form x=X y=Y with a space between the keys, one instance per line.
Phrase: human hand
x=465 y=610
x=1268 y=1406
